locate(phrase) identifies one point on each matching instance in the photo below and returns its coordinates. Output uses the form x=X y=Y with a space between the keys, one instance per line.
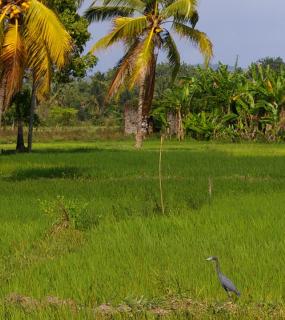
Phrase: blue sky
x=251 y=29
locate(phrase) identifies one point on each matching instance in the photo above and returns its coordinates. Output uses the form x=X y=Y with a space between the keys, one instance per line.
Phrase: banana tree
x=204 y=125
x=177 y=100
x=142 y=26
x=266 y=89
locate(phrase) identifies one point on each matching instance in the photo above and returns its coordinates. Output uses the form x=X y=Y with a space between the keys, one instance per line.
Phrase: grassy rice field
x=81 y=228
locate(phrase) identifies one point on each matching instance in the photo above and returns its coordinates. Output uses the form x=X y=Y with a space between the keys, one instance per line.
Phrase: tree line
x=219 y=102
x=43 y=72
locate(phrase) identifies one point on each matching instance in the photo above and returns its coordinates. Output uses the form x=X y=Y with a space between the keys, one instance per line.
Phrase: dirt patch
x=164 y=309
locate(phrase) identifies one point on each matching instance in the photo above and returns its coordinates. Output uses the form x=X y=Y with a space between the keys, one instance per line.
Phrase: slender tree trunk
x=20 y=137
x=32 y=116
x=2 y=95
x=139 y=135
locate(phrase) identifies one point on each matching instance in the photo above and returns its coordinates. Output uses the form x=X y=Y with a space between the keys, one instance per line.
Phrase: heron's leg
x=226 y=289
x=228 y=293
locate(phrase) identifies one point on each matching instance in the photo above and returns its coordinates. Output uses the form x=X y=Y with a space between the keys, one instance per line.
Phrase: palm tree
x=142 y=27
x=32 y=43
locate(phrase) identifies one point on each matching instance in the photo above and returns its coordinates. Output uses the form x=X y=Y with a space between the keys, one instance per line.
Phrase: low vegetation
x=82 y=231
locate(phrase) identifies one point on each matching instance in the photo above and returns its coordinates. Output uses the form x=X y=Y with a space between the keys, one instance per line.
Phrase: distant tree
x=76 y=94
x=164 y=76
x=275 y=64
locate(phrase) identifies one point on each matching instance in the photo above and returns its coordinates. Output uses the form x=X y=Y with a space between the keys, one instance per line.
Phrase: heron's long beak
x=209 y=259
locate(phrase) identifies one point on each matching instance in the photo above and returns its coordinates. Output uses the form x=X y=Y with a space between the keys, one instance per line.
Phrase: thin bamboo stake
x=210 y=187
x=160 y=175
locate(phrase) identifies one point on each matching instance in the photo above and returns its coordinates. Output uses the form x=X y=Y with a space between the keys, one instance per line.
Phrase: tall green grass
x=133 y=251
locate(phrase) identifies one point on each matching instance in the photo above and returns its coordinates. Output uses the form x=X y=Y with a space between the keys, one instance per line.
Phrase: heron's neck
x=218 y=269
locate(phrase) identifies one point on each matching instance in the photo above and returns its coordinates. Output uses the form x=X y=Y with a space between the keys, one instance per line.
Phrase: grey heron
x=225 y=282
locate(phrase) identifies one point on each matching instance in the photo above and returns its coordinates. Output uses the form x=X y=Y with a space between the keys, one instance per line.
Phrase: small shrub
x=69 y=214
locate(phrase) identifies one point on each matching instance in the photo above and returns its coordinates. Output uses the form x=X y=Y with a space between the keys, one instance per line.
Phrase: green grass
x=129 y=250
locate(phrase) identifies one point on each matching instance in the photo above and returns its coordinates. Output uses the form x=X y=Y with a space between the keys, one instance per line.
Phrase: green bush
x=62 y=116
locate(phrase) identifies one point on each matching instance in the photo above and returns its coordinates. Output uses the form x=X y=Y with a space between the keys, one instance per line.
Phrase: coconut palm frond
x=42 y=69
x=169 y=45
x=137 y=5
x=104 y=42
x=124 y=69
x=96 y=13
x=130 y=27
x=192 y=20
x=124 y=27
x=2 y=34
x=180 y=8
x=44 y=84
x=142 y=64
x=41 y=24
x=79 y=3
x=197 y=37
x=3 y=14
x=13 y=61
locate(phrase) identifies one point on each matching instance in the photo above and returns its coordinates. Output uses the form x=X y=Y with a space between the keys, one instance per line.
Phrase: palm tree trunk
x=20 y=137
x=0 y=116
x=2 y=97
x=139 y=134
x=149 y=85
x=32 y=116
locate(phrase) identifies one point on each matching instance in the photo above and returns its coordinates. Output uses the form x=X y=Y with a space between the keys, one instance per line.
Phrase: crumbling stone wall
x=130 y=120
x=172 y=124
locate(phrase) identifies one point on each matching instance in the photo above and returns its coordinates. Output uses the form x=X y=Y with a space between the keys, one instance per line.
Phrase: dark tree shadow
x=4 y=152
x=71 y=150
x=46 y=173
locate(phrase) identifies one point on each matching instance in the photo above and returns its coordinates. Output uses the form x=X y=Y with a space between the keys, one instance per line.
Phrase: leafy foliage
x=20 y=107
x=77 y=26
x=224 y=104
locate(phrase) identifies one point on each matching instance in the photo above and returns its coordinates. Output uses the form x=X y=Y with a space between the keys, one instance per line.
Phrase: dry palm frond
x=169 y=45
x=13 y=61
x=124 y=68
